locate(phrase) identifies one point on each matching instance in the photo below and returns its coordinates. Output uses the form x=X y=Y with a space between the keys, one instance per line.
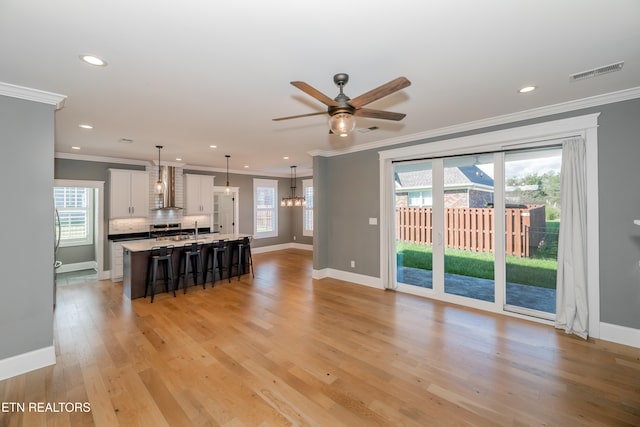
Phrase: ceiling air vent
x=369 y=129
x=125 y=141
x=596 y=72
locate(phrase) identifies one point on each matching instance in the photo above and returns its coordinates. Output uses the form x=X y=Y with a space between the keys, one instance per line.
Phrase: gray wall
x=349 y=194
x=321 y=211
x=26 y=185
x=76 y=254
x=619 y=183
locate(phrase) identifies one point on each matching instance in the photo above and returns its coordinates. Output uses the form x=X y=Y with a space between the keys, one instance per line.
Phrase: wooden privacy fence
x=472 y=228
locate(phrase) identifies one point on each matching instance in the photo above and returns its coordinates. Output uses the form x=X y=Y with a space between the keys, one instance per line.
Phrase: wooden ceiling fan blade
x=299 y=115
x=310 y=90
x=380 y=92
x=379 y=114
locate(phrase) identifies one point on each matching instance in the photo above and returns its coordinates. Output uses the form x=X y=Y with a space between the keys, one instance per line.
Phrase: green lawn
x=536 y=271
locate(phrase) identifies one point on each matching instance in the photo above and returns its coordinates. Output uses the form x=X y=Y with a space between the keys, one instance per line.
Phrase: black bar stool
x=215 y=256
x=243 y=249
x=191 y=256
x=159 y=255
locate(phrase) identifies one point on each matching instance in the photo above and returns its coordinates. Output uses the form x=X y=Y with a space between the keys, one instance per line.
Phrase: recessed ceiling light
x=75 y=148
x=93 y=60
x=178 y=159
x=286 y=157
x=527 y=89
x=246 y=166
x=85 y=126
x=213 y=146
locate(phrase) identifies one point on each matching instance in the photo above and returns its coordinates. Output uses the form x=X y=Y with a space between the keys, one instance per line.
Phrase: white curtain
x=572 y=310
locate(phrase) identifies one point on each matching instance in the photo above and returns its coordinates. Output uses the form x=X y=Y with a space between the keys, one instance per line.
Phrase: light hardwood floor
x=283 y=349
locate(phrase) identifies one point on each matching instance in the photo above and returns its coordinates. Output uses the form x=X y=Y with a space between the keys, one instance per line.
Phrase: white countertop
x=146 y=245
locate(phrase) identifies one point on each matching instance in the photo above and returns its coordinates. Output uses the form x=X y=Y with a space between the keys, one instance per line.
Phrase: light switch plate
x=373 y=221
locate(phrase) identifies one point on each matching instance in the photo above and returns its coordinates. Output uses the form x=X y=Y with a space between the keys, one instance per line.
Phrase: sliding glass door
x=414 y=223
x=532 y=224
x=481 y=229
x=469 y=257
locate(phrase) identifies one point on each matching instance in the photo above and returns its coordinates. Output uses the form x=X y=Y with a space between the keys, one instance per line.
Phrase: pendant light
x=227 y=189
x=293 y=200
x=159 y=184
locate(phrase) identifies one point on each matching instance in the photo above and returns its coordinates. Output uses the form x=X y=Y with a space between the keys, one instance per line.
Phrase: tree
x=546 y=192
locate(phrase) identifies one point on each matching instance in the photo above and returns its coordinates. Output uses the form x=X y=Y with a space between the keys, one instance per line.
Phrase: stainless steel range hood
x=168 y=177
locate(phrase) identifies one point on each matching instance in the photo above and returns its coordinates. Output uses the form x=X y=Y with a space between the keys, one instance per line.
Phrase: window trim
x=307 y=209
x=88 y=240
x=268 y=183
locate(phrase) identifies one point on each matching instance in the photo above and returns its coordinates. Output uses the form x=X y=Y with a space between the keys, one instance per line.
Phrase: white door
x=225 y=215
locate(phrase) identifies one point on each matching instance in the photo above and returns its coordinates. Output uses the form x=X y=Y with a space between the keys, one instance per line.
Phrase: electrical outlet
x=353 y=264
x=294 y=237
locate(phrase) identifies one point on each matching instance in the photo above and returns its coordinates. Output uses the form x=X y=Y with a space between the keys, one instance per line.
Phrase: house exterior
x=465 y=187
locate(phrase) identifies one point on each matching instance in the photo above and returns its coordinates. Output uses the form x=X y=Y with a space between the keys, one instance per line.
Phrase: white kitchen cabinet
x=117 y=258
x=199 y=194
x=129 y=193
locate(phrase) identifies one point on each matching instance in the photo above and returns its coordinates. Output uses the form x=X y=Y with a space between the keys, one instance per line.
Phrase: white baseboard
x=281 y=247
x=302 y=246
x=104 y=275
x=359 y=279
x=320 y=274
x=87 y=265
x=620 y=334
x=22 y=363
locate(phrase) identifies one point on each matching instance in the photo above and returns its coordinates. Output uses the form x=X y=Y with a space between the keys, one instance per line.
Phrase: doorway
x=96 y=190
x=454 y=200
x=501 y=146
x=225 y=210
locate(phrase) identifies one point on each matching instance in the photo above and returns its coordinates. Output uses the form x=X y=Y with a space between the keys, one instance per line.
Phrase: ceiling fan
x=342 y=109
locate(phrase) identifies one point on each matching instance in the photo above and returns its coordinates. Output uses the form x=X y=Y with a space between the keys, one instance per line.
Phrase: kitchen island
x=136 y=258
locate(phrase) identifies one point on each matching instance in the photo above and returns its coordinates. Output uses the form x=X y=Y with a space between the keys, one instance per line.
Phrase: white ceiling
x=192 y=73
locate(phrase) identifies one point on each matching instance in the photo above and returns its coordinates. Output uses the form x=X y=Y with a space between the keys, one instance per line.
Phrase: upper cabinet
x=199 y=194
x=129 y=193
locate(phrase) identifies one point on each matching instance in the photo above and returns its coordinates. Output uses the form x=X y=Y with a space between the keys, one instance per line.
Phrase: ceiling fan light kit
x=342 y=109
x=342 y=124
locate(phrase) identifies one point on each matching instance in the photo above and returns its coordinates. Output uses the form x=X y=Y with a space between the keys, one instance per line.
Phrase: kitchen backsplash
x=141 y=225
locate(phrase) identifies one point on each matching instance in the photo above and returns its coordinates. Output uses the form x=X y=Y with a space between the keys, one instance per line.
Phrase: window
x=75 y=210
x=265 y=208
x=307 y=214
x=420 y=198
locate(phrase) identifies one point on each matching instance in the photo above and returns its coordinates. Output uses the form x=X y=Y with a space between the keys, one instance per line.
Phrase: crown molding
x=29 y=94
x=593 y=101
x=88 y=158
x=154 y=163
x=167 y=163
